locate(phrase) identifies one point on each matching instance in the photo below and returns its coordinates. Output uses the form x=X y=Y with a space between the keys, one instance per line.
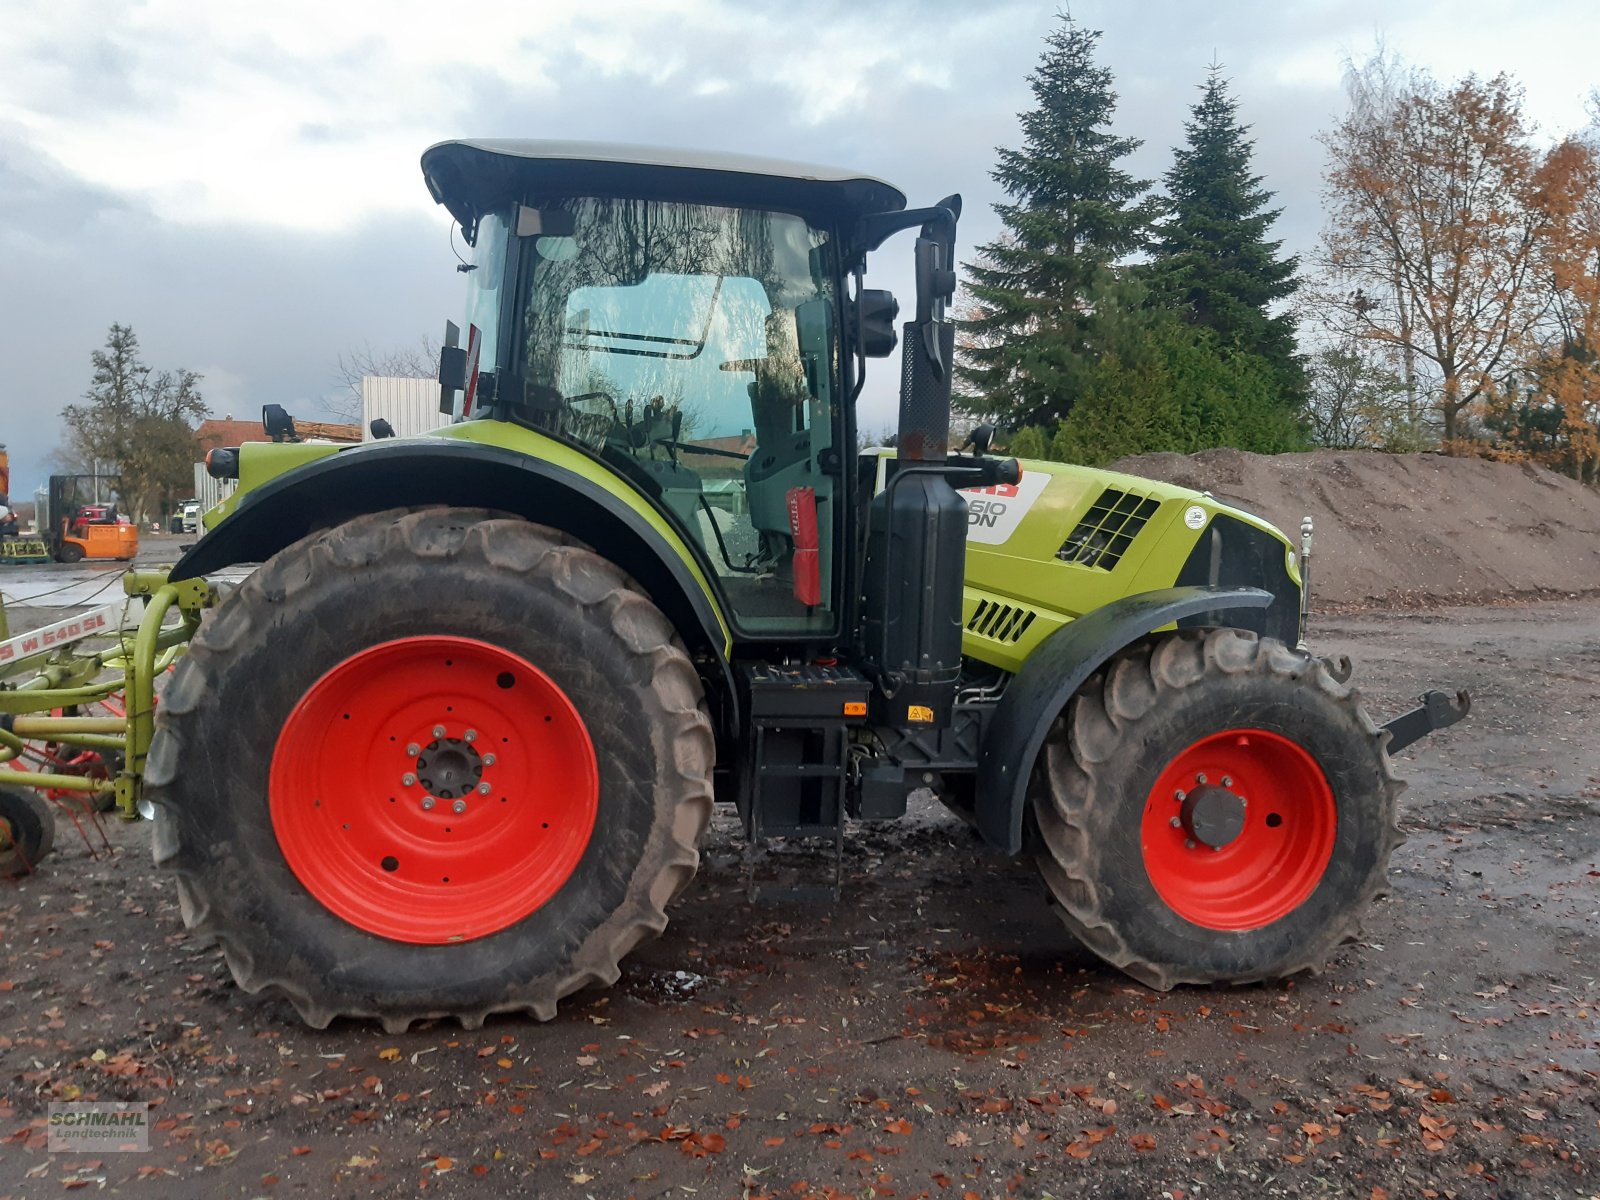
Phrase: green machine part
x=1066 y=540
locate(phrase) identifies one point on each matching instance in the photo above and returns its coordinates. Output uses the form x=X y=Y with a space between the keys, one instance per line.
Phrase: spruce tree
x=1029 y=334
x=1212 y=258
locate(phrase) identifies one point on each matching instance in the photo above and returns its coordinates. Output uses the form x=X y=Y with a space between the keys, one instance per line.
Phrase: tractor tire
x=1214 y=807
x=28 y=834
x=70 y=552
x=433 y=763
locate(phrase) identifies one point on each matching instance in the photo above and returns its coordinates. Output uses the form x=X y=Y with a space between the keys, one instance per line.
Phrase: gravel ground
x=935 y=1034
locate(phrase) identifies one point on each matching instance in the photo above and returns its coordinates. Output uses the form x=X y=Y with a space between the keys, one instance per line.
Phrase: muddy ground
x=935 y=1034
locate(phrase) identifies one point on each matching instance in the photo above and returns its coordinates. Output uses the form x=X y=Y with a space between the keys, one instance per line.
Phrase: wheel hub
x=1212 y=815
x=1238 y=829
x=434 y=789
x=449 y=767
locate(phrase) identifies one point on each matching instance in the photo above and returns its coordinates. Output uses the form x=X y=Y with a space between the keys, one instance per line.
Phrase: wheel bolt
x=483 y=789
x=470 y=735
x=1188 y=843
x=1227 y=781
x=438 y=731
x=1176 y=824
x=488 y=760
x=1180 y=795
x=1200 y=778
x=408 y=779
x=427 y=803
x=460 y=806
x=413 y=749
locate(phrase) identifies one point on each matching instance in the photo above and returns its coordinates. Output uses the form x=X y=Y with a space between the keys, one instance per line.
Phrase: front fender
x=424 y=471
x=1050 y=677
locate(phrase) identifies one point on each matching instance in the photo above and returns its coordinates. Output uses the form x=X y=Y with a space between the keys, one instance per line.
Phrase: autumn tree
x=1213 y=259
x=138 y=422
x=1030 y=335
x=1565 y=378
x=1429 y=250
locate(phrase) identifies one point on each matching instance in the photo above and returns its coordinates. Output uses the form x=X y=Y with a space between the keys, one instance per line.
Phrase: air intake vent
x=1002 y=622
x=1108 y=529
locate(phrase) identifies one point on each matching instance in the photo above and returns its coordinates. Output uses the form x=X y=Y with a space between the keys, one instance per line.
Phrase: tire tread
x=679 y=723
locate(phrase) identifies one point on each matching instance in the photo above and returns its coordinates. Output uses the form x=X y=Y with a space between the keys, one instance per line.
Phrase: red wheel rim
x=1279 y=854
x=377 y=798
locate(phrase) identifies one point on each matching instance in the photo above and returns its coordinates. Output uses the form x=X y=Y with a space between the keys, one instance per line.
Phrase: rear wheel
x=431 y=763
x=1214 y=807
x=27 y=831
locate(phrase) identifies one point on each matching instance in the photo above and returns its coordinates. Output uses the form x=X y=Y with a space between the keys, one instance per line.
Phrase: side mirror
x=876 y=311
x=453 y=367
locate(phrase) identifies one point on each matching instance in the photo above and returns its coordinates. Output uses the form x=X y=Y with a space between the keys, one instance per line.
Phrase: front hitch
x=1436 y=710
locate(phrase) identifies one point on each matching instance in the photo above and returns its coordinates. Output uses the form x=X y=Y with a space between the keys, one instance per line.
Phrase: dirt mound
x=1409 y=528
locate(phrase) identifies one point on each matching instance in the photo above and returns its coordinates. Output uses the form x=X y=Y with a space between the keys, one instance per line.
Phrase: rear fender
x=421 y=472
x=1052 y=675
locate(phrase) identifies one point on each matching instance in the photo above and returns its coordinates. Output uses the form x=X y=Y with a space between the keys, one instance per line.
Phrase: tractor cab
x=685 y=319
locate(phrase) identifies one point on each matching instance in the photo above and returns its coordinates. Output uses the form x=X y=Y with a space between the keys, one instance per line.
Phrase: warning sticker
x=993 y=513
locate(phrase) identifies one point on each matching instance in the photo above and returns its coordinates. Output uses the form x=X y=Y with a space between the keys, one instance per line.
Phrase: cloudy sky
x=239 y=182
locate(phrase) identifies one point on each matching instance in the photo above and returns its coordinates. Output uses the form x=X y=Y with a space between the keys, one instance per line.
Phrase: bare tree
x=420 y=360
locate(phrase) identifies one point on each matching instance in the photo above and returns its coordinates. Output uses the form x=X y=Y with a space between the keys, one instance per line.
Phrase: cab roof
x=474 y=176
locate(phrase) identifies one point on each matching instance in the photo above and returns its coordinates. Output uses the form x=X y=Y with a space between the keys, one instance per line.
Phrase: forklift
x=79 y=524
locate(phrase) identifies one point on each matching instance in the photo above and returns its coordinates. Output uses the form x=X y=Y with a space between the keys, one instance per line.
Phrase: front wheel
x=27 y=831
x=429 y=764
x=70 y=552
x=1214 y=807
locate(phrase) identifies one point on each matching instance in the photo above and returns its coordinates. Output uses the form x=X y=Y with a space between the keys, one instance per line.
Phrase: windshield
x=692 y=347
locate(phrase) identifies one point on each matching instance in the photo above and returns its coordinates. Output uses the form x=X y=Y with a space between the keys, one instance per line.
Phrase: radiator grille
x=1107 y=529
x=1002 y=622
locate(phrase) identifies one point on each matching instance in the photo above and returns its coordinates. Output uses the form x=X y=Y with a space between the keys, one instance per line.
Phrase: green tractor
x=450 y=750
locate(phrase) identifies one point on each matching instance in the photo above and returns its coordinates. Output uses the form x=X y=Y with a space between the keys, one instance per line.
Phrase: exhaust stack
x=917 y=526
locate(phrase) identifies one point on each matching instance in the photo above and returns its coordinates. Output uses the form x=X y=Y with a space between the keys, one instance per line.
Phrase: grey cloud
x=275 y=308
